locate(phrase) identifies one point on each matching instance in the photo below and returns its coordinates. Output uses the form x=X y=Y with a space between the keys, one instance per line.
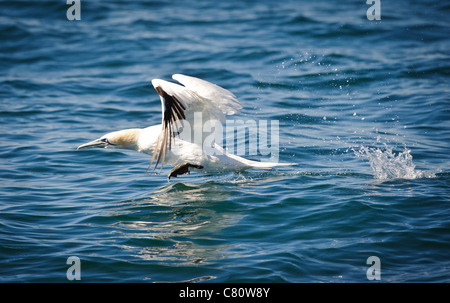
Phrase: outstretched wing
x=210 y=97
x=180 y=102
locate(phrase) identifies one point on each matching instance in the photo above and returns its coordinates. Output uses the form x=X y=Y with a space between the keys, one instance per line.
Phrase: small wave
x=388 y=165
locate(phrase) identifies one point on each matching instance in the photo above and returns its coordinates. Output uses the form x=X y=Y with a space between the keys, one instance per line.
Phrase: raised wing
x=212 y=95
x=180 y=102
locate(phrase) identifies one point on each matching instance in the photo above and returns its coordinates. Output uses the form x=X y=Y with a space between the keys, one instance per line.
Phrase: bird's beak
x=94 y=144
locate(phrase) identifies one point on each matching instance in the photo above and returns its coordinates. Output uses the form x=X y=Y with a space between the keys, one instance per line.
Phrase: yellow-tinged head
x=123 y=139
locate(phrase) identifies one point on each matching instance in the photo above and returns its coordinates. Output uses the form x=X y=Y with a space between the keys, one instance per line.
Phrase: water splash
x=388 y=165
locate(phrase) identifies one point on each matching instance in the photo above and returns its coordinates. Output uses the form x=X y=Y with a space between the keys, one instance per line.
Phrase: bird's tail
x=266 y=165
x=251 y=163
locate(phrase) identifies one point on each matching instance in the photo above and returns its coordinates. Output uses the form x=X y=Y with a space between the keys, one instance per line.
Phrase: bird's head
x=122 y=139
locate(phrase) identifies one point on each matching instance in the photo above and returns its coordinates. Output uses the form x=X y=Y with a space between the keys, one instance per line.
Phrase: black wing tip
x=174 y=110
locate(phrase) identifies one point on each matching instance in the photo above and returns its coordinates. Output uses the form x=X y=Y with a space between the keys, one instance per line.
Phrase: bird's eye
x=105 y=140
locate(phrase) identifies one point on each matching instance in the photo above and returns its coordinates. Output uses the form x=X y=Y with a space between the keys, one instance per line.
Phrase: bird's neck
x=146 y=139
x=143 y=140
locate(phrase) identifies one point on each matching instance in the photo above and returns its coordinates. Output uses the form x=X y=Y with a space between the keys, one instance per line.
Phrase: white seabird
x=179 y=104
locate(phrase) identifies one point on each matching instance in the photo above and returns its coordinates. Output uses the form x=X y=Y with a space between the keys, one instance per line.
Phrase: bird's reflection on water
x=188 y=223
x=179 y=223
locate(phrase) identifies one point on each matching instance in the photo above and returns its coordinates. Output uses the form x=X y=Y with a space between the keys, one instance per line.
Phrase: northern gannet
x=166 y=143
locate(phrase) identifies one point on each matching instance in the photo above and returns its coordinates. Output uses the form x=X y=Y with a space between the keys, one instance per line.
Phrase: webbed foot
x=182 y=168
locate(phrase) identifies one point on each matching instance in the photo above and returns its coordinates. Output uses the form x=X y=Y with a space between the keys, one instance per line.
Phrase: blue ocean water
x=363 y=108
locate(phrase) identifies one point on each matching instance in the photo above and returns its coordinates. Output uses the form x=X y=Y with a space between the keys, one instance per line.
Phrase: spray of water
x=388 y=165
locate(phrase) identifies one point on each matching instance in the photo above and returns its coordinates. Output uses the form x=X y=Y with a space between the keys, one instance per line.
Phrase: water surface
x=363 y=108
